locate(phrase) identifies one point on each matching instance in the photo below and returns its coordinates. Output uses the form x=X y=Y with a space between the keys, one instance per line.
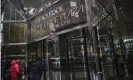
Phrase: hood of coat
x=13 y=62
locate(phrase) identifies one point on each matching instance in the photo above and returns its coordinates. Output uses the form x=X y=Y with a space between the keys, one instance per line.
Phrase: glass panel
x=14 y=33
x=117 y=32
x=74 y=34
x=124 y=28
x=7 y=11
x=11 y=13
x=65 y=68
x=53 y=65
x=77 y=60
x=13 y=53
x=73 y=63
x=99 y=10
x=37 y=50
x=91 y=56
x=106 y=47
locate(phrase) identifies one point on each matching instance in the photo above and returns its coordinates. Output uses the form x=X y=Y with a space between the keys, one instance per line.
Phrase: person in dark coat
x=37 y=69
x=130 y=64
x=121 y=67
x=29 y=69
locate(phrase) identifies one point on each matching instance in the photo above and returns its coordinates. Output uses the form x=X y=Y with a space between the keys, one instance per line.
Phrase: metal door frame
x=84 y=37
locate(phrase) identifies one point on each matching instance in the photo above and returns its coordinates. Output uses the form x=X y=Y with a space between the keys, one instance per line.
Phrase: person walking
x=37 y=69
x=121 y=67
x=130 y=64
x=30 y=69
x=15 y=70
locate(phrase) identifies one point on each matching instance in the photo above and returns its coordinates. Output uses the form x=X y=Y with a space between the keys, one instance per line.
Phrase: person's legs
x=15 y=78
x=30 y=76
x=38 y=77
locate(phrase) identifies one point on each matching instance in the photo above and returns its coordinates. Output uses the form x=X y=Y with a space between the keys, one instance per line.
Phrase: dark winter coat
x=130 y=63
x=37 y=69
x=30 y=70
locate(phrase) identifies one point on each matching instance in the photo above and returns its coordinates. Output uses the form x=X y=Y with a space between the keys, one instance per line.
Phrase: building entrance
x=76 y=55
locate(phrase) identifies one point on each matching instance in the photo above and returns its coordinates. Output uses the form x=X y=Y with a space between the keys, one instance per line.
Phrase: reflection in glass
x=53 y=63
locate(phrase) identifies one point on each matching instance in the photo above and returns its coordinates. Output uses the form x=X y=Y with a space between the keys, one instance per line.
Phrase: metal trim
x=10 y=44
x=13 y=21
x=15 y=55
x=38 y=39
x=72 y=29
x=22 y=9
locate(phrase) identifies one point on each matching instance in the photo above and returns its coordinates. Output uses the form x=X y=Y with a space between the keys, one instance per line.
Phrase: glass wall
x=11 y=13
x=102 y=52
x=74 y=65
x=14 y=32
x=125 y=33
x=107 y=50
x=53 y=59
x=10 y=53
x=37 y=50
x=114 y=32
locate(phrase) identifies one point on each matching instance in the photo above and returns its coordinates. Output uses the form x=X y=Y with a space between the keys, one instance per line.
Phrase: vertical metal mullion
x=10 y=20
x=1 y=27
x=26 y=34
x=14 y=33
x=59 y=58
x=19 y=34
x=54 y=48
x=24 y=31
x=4 y=62
x=100 y=68
x=4 y=10
x=72 y=60
x=10 y=10
x=47 y=58
x=68 y=60
x=86 y=53
x=99 y=44
x=97 y=52
x=119 y=34
x=20 y=17
x=112 y=47
x=88 y=10
x=44 y=56
x=15 y=14
x=9 y=33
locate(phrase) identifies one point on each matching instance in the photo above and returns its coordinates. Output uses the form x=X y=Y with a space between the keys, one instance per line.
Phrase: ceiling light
x=25 y=8
x=120 y=7
x=41 y=9
x=32 y=11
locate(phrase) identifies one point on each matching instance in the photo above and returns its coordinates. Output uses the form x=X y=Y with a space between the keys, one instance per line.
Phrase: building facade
x=81 y=39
